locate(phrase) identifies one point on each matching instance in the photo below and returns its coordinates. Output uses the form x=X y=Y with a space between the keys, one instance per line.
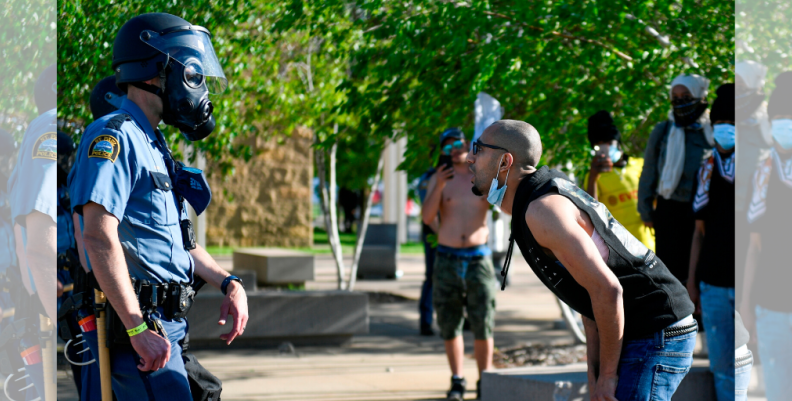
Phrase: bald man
x=639 y=329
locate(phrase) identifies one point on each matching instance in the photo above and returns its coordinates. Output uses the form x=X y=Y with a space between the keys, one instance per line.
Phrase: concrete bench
x=275 y=266
x=540 y=383
x=299 y=317
x=380 y=252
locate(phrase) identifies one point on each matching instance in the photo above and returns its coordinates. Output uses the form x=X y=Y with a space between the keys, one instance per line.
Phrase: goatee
x=476 y=191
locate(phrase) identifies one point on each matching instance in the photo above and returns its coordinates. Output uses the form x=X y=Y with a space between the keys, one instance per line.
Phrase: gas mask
x=190 y=72
x=185 y=100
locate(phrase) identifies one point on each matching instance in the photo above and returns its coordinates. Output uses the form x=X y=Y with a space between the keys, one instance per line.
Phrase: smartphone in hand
x=445 y=160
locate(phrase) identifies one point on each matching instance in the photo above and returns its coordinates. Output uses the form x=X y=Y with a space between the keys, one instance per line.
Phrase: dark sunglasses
x=478 y=145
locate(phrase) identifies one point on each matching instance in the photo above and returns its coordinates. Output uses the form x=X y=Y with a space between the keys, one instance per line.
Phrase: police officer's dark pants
x=425 y=303
x=167 y=384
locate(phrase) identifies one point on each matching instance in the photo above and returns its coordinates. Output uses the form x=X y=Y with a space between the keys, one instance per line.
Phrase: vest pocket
x=163 y=205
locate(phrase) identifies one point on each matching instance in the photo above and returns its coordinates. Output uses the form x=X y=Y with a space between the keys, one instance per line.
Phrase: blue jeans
x=717 y=315
x=774 y=335
x=652 y=368
x=425 y=303
x=167 y=384
x=742 y=377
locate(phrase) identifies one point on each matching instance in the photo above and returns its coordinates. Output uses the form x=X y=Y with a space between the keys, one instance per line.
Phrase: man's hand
x=154 y=350
x=234 y=304
x=444 y=174
x=694 y=295
x=649 y=224
x=605 y=389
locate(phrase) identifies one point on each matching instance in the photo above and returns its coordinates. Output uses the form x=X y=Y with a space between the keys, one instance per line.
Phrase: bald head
x=520 y=138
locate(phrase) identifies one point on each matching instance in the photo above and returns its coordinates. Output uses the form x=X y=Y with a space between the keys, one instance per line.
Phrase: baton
x=48 y=359
x=104 y=352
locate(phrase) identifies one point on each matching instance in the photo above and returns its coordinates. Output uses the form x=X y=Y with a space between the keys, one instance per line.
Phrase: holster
x=174 y=298
x=204 y=386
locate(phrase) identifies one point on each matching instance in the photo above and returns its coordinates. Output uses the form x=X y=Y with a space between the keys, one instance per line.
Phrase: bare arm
x=751 y=262
x=110 y=269
x=41 y=255
x=592 y=351
x=80 y=245
x=431 y=204
x=22 y=258
x=695 y=253
x=555 y=224
x=235 y=302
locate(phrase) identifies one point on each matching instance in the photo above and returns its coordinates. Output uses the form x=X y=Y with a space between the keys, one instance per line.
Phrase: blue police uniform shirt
x=7 y=249
x=65 y=223
x=33 y=183
x=121 y=167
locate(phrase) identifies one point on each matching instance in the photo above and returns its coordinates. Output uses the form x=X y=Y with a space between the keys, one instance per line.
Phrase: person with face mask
x=613 y=176
x=463 y=276
x=754 y=140
x=674 y=153
x=711 y=275
x=129 y=193
x=766 y=305
x=640 y=331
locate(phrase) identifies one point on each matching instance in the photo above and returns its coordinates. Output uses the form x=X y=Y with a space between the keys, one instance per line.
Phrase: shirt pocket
x=163 y=202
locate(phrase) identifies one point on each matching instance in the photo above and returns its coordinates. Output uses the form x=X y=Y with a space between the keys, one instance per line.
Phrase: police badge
x=46 y=147
x=104 y=147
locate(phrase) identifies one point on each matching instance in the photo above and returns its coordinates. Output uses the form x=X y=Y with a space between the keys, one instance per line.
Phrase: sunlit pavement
x=392 y=362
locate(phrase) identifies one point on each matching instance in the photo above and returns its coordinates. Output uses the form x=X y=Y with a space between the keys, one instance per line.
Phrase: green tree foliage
x=764 y=34
x=551 y=63
x=27 y=47
x=280 y=75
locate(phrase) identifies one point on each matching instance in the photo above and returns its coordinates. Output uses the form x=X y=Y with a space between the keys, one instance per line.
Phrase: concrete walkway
x=392 y=362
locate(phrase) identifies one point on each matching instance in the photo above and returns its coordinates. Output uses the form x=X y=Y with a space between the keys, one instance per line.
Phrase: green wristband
x=137 y=330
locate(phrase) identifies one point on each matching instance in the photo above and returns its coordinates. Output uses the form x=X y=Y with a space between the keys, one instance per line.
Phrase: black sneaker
x=427 y=331
x=457 y=392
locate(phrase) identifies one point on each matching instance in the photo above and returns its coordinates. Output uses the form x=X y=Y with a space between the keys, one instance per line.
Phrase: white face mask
x=782 y=132
x=495 y=196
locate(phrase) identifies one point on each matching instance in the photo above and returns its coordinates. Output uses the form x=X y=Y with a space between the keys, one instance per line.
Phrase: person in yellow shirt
x=613 y=176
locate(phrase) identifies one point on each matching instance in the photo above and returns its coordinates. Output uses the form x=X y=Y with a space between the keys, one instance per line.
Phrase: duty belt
x=174 y=298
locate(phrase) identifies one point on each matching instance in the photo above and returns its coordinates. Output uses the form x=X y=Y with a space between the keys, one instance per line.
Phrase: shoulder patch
x=105 y=147
x=46 y=146
x=116 y=121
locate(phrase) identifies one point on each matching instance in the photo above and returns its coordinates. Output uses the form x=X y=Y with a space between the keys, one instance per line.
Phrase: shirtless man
x=639 y=329
x=463 y=265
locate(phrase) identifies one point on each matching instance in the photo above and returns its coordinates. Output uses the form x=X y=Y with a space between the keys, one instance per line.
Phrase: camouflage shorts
x=450 y=292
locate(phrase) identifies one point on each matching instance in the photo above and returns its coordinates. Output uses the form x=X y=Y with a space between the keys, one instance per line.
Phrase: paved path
x=392 y=362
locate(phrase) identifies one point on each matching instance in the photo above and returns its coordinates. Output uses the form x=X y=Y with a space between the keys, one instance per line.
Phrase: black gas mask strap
x=153 y=89
x=188 y=234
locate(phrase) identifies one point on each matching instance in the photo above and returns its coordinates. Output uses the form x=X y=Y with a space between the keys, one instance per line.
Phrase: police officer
x=33 y=212
x=130 y=193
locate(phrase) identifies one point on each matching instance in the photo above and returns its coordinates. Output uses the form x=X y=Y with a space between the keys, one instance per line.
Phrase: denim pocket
x=666 y=380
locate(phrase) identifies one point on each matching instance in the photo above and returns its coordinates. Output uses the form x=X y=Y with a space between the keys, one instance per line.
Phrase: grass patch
x=321 y=246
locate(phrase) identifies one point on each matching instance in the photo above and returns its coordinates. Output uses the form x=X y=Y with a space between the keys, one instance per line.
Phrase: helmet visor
x=191 y=47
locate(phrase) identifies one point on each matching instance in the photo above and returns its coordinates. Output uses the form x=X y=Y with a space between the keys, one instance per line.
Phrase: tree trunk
x=364 y=221
x=327 y=211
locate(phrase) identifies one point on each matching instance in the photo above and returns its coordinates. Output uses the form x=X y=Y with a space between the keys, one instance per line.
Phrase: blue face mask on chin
x=782 y=132
x=724 y=135
x=495 y=196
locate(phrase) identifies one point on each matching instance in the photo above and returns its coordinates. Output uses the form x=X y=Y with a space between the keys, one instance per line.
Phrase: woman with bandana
x=613 y=177
x=673 y=155
x=766 y=302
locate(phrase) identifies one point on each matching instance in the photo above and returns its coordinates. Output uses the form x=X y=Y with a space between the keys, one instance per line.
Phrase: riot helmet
x=182 y=56
x=46 y=91
x=106 y=97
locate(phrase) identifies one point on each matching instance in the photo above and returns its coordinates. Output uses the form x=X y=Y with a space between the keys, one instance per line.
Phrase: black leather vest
x=653 y=298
